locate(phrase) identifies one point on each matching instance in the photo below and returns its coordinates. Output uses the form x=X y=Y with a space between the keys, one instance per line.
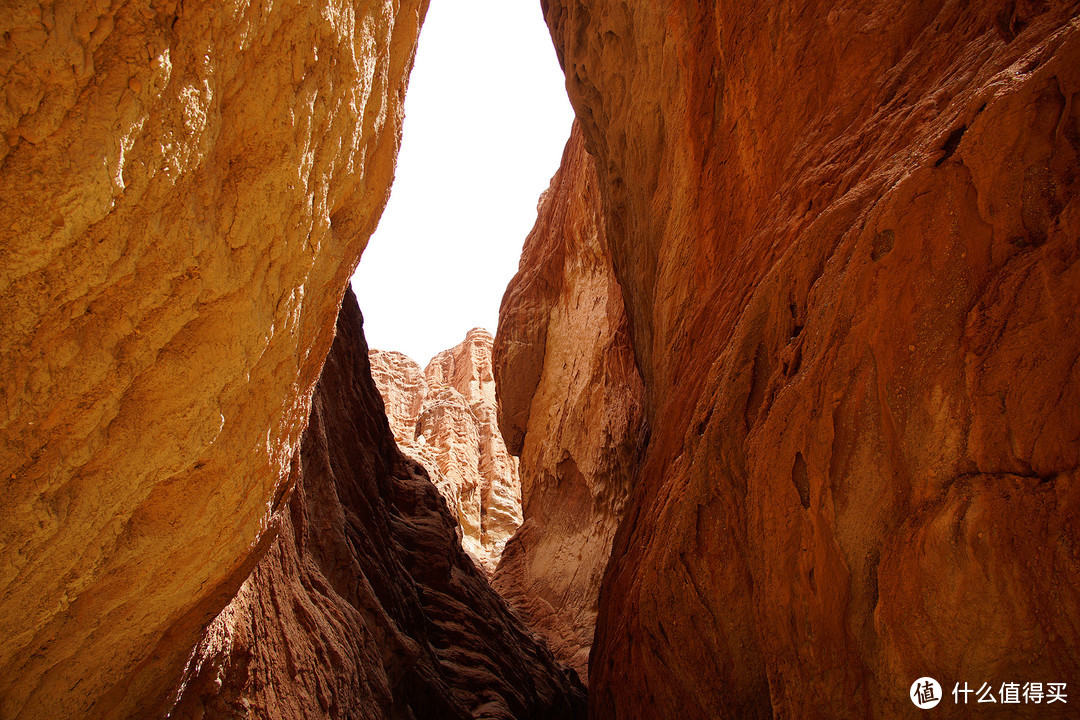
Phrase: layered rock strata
x=571 y=406
x=186 y=189
x=366 y=605
x=446 y=418
x=847 y=239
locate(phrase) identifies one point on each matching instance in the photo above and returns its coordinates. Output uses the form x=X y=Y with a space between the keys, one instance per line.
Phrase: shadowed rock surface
x=446 y=419
x=366 y=606
x=571 y=400
x=847 y=238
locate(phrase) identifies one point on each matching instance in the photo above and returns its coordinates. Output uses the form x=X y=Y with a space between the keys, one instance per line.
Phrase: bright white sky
x=486 y=118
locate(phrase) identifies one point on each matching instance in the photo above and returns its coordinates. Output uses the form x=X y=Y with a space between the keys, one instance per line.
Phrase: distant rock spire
x=446 y=418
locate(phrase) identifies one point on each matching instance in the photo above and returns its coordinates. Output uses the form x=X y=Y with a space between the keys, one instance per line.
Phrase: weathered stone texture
x=571 y=400
x=446 y=419
x=366 y=605
x=847 y=237
x=186 y=188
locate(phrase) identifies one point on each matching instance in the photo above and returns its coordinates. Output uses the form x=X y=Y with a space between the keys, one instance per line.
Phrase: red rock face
x=571 y=402
x=445 y=418
x=847 y=237
x=366 y=605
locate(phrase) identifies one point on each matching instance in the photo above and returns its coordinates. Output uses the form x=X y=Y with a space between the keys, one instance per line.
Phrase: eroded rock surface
x=446 y=419
x=847 y=237
x=571 y=404
x=186 y=188
x=366 y=605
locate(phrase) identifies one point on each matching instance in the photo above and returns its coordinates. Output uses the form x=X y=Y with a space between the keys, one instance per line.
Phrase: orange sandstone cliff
x=186 y=187
x=445 y=418
x=366 y=605
x=570 y=405
x=846 y=235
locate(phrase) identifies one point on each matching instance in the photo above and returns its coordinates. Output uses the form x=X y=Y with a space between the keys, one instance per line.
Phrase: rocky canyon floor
x=781 y=418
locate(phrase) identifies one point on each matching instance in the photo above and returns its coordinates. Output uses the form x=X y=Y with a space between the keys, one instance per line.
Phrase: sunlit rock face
x=366 y=605
x=847 y=238
x=446 y=418
x=186 y=189
x=571 y=405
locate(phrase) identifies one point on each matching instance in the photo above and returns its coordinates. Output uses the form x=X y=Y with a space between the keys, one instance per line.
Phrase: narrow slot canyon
x=780 y=417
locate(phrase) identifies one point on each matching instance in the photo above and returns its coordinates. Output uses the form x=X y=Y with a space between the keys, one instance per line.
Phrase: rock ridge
x=571 y=398
x=366 y=605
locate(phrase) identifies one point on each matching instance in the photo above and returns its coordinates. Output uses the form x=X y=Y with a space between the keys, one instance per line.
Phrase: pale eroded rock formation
x=571 y=405
x=186 y=188
x=847 y=237
x=366 y=606
x=446 y=419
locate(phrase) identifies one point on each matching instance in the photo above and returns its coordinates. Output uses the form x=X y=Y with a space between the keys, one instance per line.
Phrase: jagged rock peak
x=446 y=418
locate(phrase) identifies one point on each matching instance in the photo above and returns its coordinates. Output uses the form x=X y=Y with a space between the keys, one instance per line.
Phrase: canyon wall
x=847 y=236
x=446 y=418
x=366 y=605
x=571 y=407
x=186 y=189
